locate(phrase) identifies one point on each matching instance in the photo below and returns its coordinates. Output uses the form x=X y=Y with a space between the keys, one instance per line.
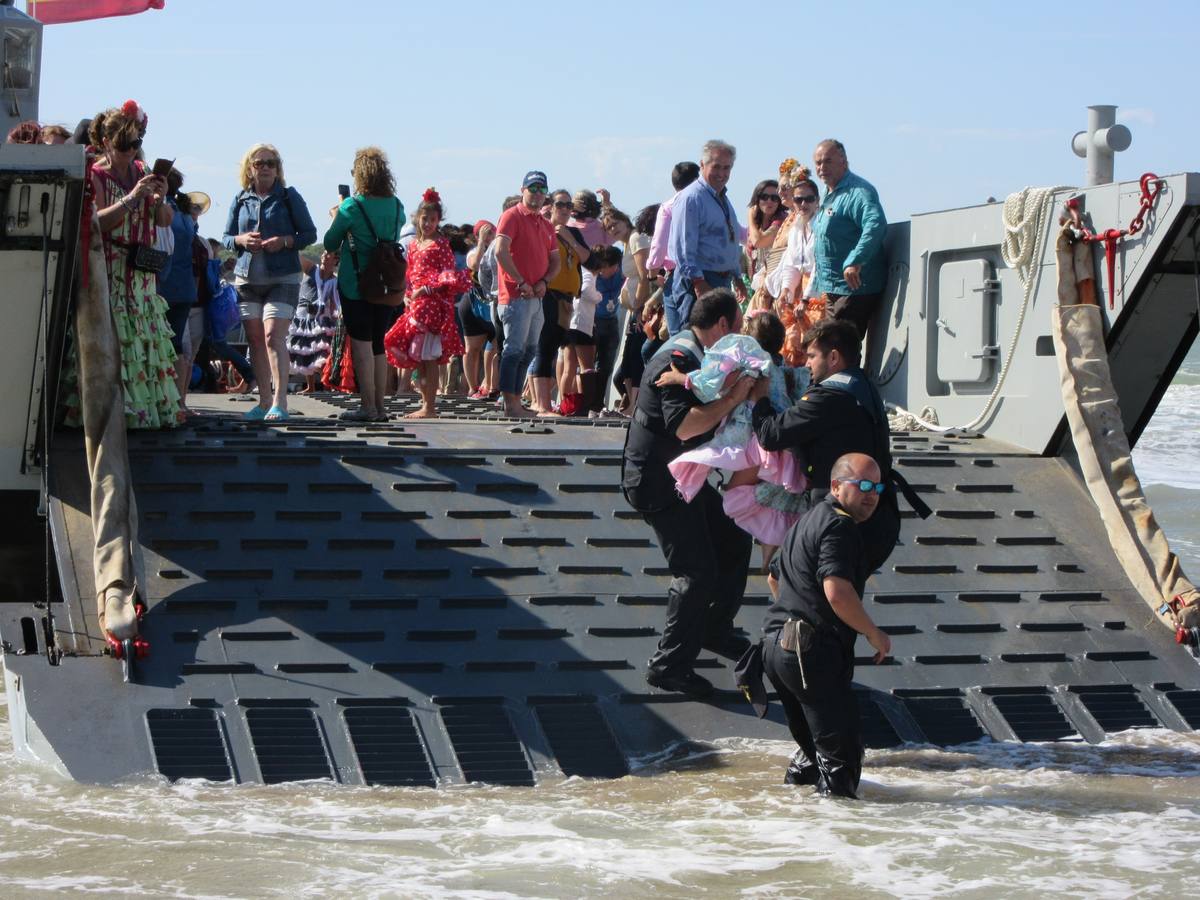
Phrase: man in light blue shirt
x=704 y=241
x=848 y=233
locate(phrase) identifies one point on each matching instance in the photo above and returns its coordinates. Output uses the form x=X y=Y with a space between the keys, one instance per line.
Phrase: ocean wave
x=714 y=820
x=1168 y=451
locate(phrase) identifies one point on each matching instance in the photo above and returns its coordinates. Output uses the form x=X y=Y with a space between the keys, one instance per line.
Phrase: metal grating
x=287 y=744
x=1188 y=705
x=187 y=743
x=485 y=744
x=943 y=716
x=388 y=746
x=1116 y=707
x=1033 y=715
x=877 y=731
x=581 y=740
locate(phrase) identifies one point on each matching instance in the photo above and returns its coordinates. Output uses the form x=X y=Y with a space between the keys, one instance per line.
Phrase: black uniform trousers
x=709 y=557
x=821 y=709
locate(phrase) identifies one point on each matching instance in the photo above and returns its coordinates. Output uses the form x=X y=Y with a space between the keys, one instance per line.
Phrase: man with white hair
x=705 y=240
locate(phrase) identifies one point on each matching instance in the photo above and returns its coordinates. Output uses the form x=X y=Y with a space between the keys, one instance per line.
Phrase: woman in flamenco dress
x=426 y=336
x=129 y=205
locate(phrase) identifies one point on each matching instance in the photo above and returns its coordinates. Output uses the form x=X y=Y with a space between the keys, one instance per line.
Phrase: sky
x=939 y=104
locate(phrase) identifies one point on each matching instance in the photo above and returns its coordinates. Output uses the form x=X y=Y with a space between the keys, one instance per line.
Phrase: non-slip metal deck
x=425 y=603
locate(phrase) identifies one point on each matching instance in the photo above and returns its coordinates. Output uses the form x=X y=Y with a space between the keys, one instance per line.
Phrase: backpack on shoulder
x=382 y=280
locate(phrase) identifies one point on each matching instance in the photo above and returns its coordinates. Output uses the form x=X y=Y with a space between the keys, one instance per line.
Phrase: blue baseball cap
x=534 y=177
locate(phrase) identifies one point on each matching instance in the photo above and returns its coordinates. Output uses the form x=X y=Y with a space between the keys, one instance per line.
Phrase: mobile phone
x=344 y=191
x=162 y=167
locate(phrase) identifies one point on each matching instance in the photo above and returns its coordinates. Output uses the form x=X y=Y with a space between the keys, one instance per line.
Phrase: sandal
x=255 y=415
x=275 y=414
x=355 y=415
x=380 y=417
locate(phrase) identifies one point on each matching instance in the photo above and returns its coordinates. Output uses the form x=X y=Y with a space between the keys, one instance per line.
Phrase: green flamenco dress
x=140 y=315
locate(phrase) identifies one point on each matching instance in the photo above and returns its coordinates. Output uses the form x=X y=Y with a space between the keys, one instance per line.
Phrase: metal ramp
x=471 y=600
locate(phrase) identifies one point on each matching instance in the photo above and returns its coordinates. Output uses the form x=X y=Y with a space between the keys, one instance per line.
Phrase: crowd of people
x=732 y=348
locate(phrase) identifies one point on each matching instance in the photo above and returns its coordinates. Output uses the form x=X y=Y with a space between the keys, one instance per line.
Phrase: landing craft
x=472 y=601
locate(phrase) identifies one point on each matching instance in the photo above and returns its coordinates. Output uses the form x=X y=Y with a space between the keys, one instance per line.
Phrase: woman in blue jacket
x=268 y=224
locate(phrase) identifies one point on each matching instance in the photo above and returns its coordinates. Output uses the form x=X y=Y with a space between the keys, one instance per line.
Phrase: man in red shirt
x=527 y=254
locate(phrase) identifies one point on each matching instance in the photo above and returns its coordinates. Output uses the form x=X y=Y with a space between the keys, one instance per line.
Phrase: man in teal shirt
x=848 y=233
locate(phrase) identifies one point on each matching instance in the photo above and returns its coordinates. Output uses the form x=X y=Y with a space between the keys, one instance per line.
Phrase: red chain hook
x=1151 y=188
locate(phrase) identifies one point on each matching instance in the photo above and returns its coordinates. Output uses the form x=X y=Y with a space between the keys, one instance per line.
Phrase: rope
x=1026 y=226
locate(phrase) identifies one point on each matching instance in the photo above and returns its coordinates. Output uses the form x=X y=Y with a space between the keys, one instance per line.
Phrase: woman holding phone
x=129 y=206
x=268 y=224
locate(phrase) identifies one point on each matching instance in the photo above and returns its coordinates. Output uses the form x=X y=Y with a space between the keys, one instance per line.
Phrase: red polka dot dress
x=427 y=331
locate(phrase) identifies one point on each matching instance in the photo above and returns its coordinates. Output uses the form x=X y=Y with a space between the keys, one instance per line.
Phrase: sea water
x=1118 y=819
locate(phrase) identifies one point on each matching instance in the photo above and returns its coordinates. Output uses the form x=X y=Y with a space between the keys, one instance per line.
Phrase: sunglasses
x=536 y=189
x=265 y=163
x=562 y=204
x=805 y=198
x=773 y=197
x=866 y=485
x=135 y=144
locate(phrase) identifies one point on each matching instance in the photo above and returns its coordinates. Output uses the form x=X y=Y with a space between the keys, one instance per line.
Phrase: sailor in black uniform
x=707 y=553
x=810 y=630
x=842 y=413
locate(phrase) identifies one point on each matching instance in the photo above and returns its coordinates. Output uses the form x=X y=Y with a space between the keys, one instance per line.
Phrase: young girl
x=763 y=494
x=426 y=336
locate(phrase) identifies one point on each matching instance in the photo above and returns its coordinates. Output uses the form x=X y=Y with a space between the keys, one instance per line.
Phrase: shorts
x=577 y=338
x=472 y=325
x=268 y=301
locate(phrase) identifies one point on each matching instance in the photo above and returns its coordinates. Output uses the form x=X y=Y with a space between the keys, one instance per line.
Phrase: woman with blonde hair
x=268 y=225
x=371 y=210
x=790 y=282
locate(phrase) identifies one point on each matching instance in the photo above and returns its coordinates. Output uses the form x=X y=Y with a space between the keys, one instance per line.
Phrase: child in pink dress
x=763 y=494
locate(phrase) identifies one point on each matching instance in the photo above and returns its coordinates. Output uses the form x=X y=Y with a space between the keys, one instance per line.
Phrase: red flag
x=53 y=12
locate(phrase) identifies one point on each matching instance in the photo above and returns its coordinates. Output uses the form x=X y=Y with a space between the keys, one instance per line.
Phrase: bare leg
x=542 y=389
x=429 y=385
x=743 y=477
x=276 y=335
x=256 y=342
x=381 y=371
x=491 y=370
x=471 y=360
x=364 y=372
x=768 y=551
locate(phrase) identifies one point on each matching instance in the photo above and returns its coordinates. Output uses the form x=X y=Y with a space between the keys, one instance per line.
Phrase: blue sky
x=939 y=103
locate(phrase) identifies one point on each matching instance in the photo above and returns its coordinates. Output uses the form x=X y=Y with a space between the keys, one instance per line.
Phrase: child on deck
x=763 y=494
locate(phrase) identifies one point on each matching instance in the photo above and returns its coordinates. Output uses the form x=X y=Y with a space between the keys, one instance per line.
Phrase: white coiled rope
x=1026 y=225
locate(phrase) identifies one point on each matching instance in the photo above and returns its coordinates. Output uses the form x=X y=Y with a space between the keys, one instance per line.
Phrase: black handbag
x=145 y=258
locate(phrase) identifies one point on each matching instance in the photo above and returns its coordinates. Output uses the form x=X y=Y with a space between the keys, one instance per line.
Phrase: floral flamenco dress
x=140 y=315
x=427 y=332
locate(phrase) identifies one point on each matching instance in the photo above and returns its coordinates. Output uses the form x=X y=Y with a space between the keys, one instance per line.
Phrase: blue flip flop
x=255 y=415
x=275 y=414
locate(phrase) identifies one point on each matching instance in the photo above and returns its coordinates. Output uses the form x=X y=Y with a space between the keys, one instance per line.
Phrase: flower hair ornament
x=786 y=167
x=131 y=110
x=431 y=196
x=801 y=173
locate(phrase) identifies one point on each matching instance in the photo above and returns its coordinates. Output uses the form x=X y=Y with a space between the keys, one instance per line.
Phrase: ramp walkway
x=419 y=603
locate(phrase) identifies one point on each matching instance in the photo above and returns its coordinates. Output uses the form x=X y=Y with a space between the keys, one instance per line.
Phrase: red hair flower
x=431 y=196
x=131 y=110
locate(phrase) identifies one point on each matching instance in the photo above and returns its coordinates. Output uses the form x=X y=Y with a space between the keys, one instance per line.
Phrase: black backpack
x=382 y=280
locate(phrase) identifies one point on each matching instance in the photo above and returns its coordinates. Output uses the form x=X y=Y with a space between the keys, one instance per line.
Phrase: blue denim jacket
x=270 y=216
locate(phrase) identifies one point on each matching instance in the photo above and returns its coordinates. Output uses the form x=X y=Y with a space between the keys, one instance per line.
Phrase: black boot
x=593 y=391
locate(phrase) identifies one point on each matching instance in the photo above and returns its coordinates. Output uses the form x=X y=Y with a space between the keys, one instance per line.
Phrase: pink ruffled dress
x=765 y=510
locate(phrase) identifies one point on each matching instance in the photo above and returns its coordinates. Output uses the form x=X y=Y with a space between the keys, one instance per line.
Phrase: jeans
x=678 y=299
x=607 y=332
x=522 y=321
